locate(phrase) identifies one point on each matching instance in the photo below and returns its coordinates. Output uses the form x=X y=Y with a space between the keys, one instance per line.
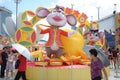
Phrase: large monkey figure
x=56 y=18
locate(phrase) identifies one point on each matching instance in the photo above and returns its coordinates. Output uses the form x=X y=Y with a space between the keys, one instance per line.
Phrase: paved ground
x=114 y=75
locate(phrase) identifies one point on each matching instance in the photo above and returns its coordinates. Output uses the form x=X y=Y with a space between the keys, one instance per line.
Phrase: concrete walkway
x=114 y=74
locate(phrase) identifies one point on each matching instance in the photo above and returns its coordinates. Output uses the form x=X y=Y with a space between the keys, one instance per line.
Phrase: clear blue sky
x=25 y=4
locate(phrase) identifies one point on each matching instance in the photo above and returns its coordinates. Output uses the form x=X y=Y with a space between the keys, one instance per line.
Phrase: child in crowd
x=110 y=57
x=10 y=61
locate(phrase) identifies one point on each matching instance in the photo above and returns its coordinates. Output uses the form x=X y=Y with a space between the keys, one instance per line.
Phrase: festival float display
x=65 y=58
x=26 y=35
x=117 y=32
x=93 y=35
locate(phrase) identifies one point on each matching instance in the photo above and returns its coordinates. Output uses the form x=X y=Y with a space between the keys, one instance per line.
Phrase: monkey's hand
x=71 y=33
x=38 y=27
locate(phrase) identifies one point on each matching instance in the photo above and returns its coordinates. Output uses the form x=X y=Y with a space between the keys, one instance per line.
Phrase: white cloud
x=89 y=7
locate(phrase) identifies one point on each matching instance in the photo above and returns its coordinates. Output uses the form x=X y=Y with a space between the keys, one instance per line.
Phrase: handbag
x=17 y=64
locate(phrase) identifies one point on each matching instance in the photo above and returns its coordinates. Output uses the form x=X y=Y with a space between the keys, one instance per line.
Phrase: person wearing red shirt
x=21 y=68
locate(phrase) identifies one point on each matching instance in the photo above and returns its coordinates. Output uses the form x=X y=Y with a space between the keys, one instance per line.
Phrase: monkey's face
x=93 y=36
x=57 y=18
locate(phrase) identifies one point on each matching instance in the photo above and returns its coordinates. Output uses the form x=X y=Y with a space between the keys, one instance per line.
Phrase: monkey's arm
x=38 y=54
x=40 y=30
x=38 y=27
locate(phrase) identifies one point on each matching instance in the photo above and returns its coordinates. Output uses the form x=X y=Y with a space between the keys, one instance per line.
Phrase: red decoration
x=102 y=40
x=27 y=23
x=33 y=37
x=68 y=10
x=18 y=35
x=119 y=20
x=82 y=25
x=83 y=18
x=30 y=13
x=76 y=13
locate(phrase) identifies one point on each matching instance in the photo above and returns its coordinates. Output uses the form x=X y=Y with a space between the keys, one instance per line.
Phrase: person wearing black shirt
x=4 y=56
x=114 y=53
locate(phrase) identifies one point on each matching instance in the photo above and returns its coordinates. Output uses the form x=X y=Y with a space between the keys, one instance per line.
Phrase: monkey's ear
x=101 y=34
x=42 y=12
x=71 y=20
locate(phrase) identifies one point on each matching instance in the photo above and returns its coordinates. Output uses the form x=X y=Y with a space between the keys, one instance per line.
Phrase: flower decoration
x=82 y=18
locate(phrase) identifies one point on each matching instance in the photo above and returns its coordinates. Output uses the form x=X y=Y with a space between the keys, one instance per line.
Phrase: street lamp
x=115 y=8
x=72 y=5
x=98 y=8
x=91 y=18
x=17 y=2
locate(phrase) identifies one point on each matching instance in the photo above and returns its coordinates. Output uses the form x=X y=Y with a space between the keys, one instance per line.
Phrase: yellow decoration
x=25 y=36
x=60 y=73
x=65 y=59
x=41 y=63
x=74 y=44
x=39 y=54
x=56 y=63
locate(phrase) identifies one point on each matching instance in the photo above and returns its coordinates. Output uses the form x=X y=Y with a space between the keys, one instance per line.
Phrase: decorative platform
x=72 y=72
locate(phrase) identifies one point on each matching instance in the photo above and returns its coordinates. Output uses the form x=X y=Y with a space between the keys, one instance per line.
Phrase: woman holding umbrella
x=24 y=55
x=21 y=68
x=96 y=66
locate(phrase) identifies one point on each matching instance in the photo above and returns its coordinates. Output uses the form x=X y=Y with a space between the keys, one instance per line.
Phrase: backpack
x=17 y=64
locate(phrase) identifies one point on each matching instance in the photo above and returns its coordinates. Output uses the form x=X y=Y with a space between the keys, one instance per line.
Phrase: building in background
x=107 y=23
x=4 y=13
x=111 y=24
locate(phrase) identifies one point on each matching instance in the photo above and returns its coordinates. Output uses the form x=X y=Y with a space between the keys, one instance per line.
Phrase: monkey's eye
x=54 y=11
x=62 y=12
x=96 y=34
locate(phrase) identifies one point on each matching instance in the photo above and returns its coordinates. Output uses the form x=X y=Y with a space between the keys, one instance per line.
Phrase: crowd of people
x=114 y=56
x=9 y=56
